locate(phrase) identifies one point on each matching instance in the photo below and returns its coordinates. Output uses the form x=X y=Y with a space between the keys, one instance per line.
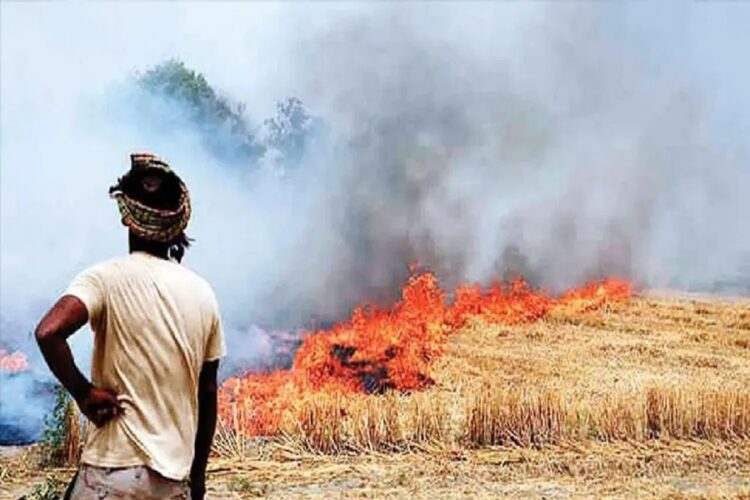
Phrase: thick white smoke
x=565 y=141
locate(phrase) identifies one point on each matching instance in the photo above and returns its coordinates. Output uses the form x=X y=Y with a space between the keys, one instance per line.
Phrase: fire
x=594 y=296
x=513 y=304
x=14 y=362
x=378 y=350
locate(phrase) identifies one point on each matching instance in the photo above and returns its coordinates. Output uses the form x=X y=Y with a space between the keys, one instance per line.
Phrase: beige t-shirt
x=155 y=323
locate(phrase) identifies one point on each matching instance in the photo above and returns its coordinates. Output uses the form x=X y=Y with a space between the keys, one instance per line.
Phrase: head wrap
x=147 y=222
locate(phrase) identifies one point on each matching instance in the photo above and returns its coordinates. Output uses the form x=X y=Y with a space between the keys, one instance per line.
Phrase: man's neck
x=154 y=248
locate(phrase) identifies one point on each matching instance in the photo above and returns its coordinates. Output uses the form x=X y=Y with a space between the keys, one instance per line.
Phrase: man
x=157 y=345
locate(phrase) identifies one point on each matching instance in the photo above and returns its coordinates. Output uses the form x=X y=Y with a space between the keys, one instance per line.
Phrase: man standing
x=157 y=345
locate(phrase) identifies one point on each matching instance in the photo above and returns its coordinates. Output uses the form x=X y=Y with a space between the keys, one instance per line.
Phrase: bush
x=61 y=439
x=51 y=489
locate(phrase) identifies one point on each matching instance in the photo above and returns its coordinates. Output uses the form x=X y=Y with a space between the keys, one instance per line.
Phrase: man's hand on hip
x=99 y=405
x=66 y=317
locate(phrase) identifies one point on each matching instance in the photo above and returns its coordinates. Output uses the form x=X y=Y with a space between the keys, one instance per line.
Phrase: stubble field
x=649 y=398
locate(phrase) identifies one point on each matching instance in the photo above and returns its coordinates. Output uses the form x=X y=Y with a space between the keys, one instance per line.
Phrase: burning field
x=503 y=391
x=431 y=372
x=498 y=391
x=393 y=350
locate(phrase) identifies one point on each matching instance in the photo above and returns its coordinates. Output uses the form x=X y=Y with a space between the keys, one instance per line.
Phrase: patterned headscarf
x=150 y=223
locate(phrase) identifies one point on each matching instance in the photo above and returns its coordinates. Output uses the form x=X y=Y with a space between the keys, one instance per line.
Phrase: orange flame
x=381 y=349
x=13 y=363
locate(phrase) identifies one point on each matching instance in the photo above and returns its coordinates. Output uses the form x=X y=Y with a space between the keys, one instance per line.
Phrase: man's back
x=155 y=324
x=157 y=344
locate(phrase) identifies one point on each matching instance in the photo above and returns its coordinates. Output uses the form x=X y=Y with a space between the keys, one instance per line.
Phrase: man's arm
x=206 y=427
x=66 y=317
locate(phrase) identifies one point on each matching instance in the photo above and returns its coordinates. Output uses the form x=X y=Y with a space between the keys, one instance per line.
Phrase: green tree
x=290 y=130
x=221 y=123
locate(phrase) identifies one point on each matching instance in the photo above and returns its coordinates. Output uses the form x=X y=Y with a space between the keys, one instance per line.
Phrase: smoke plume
x=564 y=142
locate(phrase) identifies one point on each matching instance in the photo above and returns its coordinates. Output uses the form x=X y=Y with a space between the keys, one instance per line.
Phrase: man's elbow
x=44 y=334
x=65 y=317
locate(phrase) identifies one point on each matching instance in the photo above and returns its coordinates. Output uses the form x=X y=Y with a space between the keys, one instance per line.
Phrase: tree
x=222 y=124
x=289 y=131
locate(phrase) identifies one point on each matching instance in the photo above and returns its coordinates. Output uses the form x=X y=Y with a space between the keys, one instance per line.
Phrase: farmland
x=646 y=397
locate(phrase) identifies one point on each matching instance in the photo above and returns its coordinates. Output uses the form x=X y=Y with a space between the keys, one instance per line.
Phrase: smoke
x=563 y=141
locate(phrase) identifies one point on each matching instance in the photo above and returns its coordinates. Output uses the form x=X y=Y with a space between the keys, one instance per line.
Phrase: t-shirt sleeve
x=215 y=347
x=88 y=287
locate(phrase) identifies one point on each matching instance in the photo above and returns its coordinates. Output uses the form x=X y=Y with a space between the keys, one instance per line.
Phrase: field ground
x=650 y=399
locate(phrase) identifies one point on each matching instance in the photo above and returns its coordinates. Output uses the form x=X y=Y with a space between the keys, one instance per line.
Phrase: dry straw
x=517 y=417
x=320 y=425
x=427 y=420
x=373 y=424
x=361 y=424
x=697 y=414
x=74 y=435
x=230 y=440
